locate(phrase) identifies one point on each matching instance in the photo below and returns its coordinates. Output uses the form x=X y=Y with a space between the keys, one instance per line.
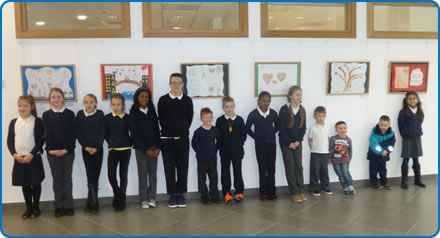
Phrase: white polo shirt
x=319 y=135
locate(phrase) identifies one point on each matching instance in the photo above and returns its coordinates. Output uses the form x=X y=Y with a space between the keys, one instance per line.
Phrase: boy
x=204 y=144
x=341 y=150
x=175 y=116
x=318 y=142
x=382 y=142
x=232 y=137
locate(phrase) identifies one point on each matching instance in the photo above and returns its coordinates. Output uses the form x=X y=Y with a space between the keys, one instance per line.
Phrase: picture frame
x=205 y=80
x=348 y=77
x=276 y=77
x=408 y=76
x=125 y=79
x=37 y=80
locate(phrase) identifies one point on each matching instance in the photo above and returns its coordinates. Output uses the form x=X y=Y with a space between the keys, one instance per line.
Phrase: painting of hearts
x=276 y=77
x=39 y=79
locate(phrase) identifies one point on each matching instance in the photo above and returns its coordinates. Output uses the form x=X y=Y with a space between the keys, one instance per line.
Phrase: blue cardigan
x=290 y=135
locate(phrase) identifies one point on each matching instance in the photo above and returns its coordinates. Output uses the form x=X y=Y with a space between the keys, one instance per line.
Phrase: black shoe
x=27 y=214
x=69 y=212
x=36 y=212
x=264 y=198
x=316 y=193
x=216 y=199
x=59 y=212
x=204 y=199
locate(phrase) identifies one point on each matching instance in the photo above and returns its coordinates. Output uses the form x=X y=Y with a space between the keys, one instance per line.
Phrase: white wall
x=360 y=112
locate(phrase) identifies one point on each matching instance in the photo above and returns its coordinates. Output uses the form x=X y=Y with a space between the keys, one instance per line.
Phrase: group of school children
x=59 y=128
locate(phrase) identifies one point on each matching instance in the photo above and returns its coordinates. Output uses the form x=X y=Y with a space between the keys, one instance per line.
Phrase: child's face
x=56 y=100
x=384 y=125
x=320 y=118
x=207 y=119
x=176 y=85
x=24 y=108
x=89 y=104
x=296 y=97
x=116 y=105
x=264 y=103
x=412 y=101
x=229 y=108
x=341 y=130
x=144 y=98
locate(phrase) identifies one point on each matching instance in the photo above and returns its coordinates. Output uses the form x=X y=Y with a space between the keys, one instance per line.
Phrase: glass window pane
x=195 y=16
x=306 y=16
x=405 y=18
x=73 y=15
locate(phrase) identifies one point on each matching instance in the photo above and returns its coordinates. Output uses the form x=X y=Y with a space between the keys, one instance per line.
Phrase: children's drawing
x=348 y=78
x=408 y=76
x=205 y=80
x=38 y=80
x=125 y=79
x=276 y=78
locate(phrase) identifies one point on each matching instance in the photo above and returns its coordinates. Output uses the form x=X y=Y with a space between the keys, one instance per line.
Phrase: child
x=119 y=146
x=204 y=144
x=382 y=142
x=60 y=135
x=265 y=122
x=91 y=133
x=146 y=141
x=176 y=113
x=25 y=143
x=232 y=137
x=292 y=130
x=341 y=151
x=410 y=126
x=318 y=142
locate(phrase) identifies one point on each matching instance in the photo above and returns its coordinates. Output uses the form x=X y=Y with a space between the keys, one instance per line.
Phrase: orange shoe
x=238 y=197
x=228 y=199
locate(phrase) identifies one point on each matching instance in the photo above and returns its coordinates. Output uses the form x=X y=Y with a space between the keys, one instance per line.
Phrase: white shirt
x=24 y=135
x=233 y=118
x=414 y=110
x=264 y=114
x=145 y=111
x=319 y=136
x=174 y=97
x=58 y=110
x=88 y=114
x=294 y=109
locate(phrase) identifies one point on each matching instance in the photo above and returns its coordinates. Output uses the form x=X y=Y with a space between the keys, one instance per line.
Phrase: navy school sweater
x=264 y=128
x=59 y=130
x=175 y=116
x=409 y=124
x=204 y=143
x=91 y=129
x=144 y=129
x=231 y=142
x=290 y=135
x=117 y=131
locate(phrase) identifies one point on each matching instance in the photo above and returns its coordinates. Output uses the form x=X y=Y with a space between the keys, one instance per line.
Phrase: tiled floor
x=369 y=212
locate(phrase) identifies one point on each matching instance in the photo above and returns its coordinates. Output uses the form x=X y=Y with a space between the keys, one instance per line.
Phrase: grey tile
x=236 y=224
x=387 y=224
x=179 y=229
x=284 y=230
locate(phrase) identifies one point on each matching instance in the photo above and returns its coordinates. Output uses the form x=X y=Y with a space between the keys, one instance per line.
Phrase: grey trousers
x=293 y=168
x=61 y=168
x=147 y=168
x=319 y=172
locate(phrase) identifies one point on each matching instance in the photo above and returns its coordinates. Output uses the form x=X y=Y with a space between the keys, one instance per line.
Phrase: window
x=308 y=19
x=402 y=20
x=195 y=19
x=72 y=19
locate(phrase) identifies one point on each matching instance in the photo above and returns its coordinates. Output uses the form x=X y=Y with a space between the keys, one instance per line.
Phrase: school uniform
x=232 y=137
x=319 y=156
x=59 y=128
x=265 y=126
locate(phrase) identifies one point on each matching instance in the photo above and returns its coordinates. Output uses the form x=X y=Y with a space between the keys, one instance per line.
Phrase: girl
x=410 y=126
x=265 y=122
x=292 y=129
x=146 y=141
x=119 y=146
x=25 y=143
x=60 y=145
x=91 y=133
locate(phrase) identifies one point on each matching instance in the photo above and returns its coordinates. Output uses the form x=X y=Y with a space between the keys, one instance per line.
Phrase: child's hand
x=53 y=152
x=150 y=153
x=384 y=153
x=156 y=152
x=18 y=157
x=292 y=146
x=61 y=153
x=92 y=151
x=28 y=158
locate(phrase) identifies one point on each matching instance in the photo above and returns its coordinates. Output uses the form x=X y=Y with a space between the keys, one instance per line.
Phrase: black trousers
x=93 y=165
x=175 y=154
x=122 y=158
x=61 y=168
x=207 y=167
x=266 y=156
x=378 y=166
x=319 y=179
x=226 y=175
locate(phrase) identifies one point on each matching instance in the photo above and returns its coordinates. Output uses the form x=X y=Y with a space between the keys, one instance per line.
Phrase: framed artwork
x=205 y=79
x=39 y=79
x=351 y=77
x=408 y=76
x=276 y=77
x=125 y=79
